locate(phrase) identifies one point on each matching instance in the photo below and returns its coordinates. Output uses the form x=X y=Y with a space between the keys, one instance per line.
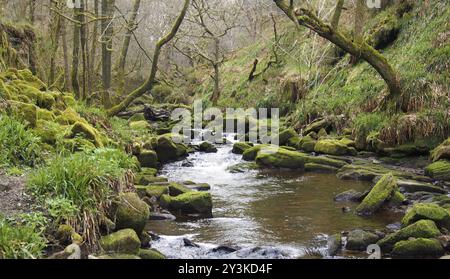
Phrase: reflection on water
x=286 y=209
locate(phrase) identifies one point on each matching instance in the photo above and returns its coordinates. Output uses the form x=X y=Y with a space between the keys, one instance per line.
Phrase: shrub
x=20 y=147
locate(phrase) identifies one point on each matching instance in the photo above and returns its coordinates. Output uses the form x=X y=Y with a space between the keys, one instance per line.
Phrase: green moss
x=418 y=248
x=427 y=211
x=334 y=147
x=442 y=151
x=131 y=212
x=68 y=117
x=189 y=203
x=439 y=170
x=176 y=189
x=241 y=147
x=86 y=131
x=124 y=241
x=43 y=114
x=152 y=191
x=34 y=81
x=48 y=132
x=286 y=135
x=251 y=153
x=420 y=229
x=27 y=112
x=150 y=254
x=148 y=159
x=323 y=160
x=167 y=150
x=281 y=158
x=140 y=125
x=308 y=144
x=381 y=192
x=137 y=117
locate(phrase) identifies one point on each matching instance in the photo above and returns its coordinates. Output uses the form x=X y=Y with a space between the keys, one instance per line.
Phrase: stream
x=276 y=214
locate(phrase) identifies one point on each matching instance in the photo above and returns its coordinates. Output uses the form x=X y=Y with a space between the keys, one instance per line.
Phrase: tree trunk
x=83 y=43
x=67 y=83
x=126 y=44
x=93 y=53
x=55 y=34
x=337 y=14
x=148 y=84
x=107 y=31
x=358 y=31
x=76 y=53
x=216 y=94
x=308 y=19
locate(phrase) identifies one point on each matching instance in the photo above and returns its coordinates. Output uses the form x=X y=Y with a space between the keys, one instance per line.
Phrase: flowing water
x=262 y=214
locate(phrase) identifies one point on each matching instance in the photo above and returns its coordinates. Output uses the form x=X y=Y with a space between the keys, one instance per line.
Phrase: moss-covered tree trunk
x=216 y=64
x=362 y=50
x=93 y=51
x=76 y=53
x=54 y=37
x=337 y=14
x=131 y=25
x=148 y=84
x=107 y=31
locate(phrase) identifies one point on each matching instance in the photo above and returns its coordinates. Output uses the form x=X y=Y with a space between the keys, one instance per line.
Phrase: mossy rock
x=148 y=179
x=281 y=158
x=151 y=254
x=381 y=192
x=405 y=150
x=46 y=101
x=316 y=126
x=67 y=235
x=77 y=144
x=167 y=150
x=137 y=117
x=131 y=212
x=48 y=131
x=334 y=147
x=251 y=153
x=148 y=159
x=86 y=131
x=27 y=112
x=442 y=151
x=411 y=186
x=295 y=142
x=152 y=191
x=207 y=147
x=189 y=203
x=243 y=167
x=118 y=256
x=420 y=229
x=140 y=125
x=359 y=240
x=31 y=79
x=241 y=147
x=308 y=144
x=286 y=135
x=176 y=189
x=124 y=241
x=324 y=160
x=69 y=117
x=43 y=114
x=427 y=211
x=69 y=100
x=418 y=248
x=439 y=170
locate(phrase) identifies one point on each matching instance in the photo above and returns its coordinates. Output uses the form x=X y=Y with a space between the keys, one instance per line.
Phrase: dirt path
x=13 y=199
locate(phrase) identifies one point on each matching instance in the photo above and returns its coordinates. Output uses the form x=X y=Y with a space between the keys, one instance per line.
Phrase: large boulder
x=439 y=170
x=251 y=153
x=441 y=152
x=27 y=112
x=168 y=150
x=189 y=203
x=420 y=229
x=207 y=147
x=418 y=248
x=150 y=254
x=286 y=135
x=334 y=147
x=124 y=241
x=148 y=159
x=176 y=189
x=281 y=158
x=152 y=191
x=317 y=125
x=241 y=147
x=427 y=211
x=307 y=144
x=86 y=131
x=383 y=191
x=359 y=240
x=131 y=212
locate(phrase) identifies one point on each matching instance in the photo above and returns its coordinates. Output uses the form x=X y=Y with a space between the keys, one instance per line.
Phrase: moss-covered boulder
x=151 y=254
x=241 y=147
x=334 y=147
x=68 y=117
x=324 y=160
x=131 y=212
x=168 y=150
x=427 y=211
x=286 y=135
x=251 y=153
x=439 y=170
x=359 y=240
x=418 y=248
x=176 y=189
x=152 y=191
x=148 y=158
x=441 y=152
x=124 y=241
x=308 y=144
x=189 y=203
x=140 y=125
x=27 y=112
x=420 y=229
x=281 y=158
x=207 y=147
x=43 y=114
x=317 y=125
x=86 y=131
x=381 y=192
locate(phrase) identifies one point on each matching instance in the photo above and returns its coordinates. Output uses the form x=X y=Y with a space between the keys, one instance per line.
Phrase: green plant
x=86 y=181
x=20 y=147
x=21 y=239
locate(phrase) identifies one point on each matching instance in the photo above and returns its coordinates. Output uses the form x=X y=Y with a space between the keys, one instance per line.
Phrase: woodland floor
x=13 y=199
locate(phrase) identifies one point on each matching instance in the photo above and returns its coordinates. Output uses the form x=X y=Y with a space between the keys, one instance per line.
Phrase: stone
x=86 y=131
x=27 y=112
x=427 y=211
x=317 y=125
x=334 y=244
x=441 y=152
x=152 y=191
x=124 y=241
x=117 y=256
x=140 y=125
x=420 y=229
x=251 y=153
x=359 y=240
x=411 y=186
x=131 y=212
x=189 y=203
x=241 y=147
x=418 y=248
x=286 y=135
x=281 y=158
x=176 y=189
x=334 y=147
x=207 y=147
x=150 y=254
x=308 y=144
x=380 y=193
x=349 y=196
x=439 y=170
x=148 y=159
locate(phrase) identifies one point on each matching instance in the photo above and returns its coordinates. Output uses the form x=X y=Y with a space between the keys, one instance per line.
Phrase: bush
x=21 y=240
x=85 y=181
x=20 y=147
